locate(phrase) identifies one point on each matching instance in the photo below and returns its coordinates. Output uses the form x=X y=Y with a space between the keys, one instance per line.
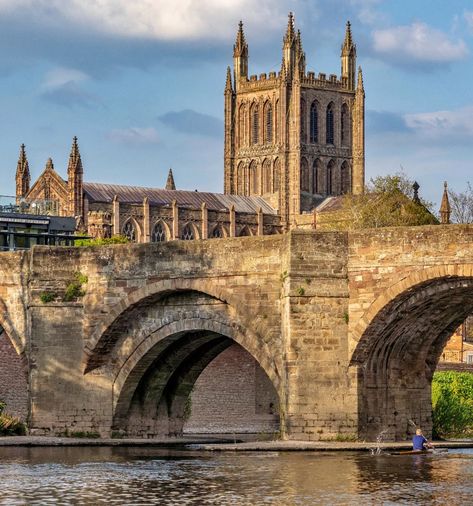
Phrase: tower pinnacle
x=445 y=209
x=22 y=174
x=170 y=185
x=290 y=31
x=240 y=47
x=228 y=83
x=348 y=59
x=359 y=86
x=240 y=56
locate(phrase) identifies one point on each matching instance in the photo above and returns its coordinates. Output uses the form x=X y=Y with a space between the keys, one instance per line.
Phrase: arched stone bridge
x=347 y=326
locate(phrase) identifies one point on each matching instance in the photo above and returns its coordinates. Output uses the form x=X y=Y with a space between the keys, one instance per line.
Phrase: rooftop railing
x=44 y=207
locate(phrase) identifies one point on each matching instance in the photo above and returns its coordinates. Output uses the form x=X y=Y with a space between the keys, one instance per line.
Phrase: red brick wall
x=233 y=394
x=13 y=383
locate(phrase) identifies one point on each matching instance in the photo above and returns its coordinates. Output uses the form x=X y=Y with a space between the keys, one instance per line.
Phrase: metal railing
x=44 y=207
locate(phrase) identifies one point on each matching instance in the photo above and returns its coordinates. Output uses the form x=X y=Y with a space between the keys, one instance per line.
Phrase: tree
x=461 y=205
x=388 y=201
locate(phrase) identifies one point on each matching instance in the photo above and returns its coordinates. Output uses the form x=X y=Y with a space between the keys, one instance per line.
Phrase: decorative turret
x=49 y=165
x=75 y=174
x=240 y=56
x=358 y=140
x=23 y=177
x=348 y=57
x=170 y=185
x=290 y=46
x=300 y=55
x=228 y=82
x=445 y=209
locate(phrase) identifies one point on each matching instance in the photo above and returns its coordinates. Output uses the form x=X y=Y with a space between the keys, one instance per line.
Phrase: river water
x=142 y=476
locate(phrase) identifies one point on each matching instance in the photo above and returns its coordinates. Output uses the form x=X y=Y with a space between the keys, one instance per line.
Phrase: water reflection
x=95 y=476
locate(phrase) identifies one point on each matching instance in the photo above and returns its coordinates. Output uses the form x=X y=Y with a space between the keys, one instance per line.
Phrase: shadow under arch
x=10 y=331
x=153 y=384
x=401 y=339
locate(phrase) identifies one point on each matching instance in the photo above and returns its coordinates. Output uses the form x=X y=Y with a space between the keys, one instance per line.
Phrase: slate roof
x=98 y=192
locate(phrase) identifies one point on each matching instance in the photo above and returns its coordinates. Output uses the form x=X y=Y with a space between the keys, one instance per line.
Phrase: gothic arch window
x=159 y=232
x=254 y=124
x=330 y=177
x=317 y=174
x=330 y=124
x=268 y=123
x=305 y=178
x=276 y=175
x=345 y=124
x=129 y=231
x=276 y=122
x=314 y=122
x=241 y=179
x=241 y=125
x=344 y=178
x=254 y=179
x=303 y=122
x=245 y=231
x=187 y=233
x=217 y=232
x=267 y=183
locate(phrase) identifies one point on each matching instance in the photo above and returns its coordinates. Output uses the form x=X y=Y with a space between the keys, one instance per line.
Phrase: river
x=142 y=476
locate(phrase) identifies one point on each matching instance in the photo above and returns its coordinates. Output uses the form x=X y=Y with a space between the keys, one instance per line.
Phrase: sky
x=141 y=83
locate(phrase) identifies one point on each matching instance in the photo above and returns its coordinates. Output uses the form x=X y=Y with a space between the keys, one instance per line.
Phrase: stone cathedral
x=294 y=143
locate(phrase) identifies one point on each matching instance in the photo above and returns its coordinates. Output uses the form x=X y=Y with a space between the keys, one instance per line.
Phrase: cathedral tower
x=293 y=137
x=22 y=175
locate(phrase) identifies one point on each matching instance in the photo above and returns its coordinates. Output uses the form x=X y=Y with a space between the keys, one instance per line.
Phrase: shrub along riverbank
x=10 y=425
x=452 y=404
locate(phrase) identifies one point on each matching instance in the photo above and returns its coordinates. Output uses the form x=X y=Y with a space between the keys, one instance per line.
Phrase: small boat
x=420 y=452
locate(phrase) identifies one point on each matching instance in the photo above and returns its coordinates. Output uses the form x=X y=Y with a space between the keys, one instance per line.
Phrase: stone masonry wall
x=233 y=395
x=13 y=379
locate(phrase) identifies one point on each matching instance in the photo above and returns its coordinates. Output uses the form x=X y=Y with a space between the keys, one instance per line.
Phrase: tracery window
x=316 y=176
x=187 y=233
x=276 y=175
x=254 y=178
x=344 y=178
x=305 y=179
x=314 y=123
x=303 y=122
x=255 y=124
x=330 y=176
x=345 y=124
x=329 y=124
x=129 y=231
x=267 y=186
x=268 y=122
x=217 y=232
x=159 y=233
x=241 y=179
x=241 y=125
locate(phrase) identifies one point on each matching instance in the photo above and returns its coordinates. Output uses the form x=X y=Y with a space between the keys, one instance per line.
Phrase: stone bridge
x=348 y=327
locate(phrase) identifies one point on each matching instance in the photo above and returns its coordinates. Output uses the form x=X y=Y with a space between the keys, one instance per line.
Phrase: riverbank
x=222 y=443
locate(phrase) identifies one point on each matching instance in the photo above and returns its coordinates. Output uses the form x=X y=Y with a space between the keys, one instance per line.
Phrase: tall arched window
x=217 y=232
x=254 y=179
x=254 y=124
x=276 y=122
x=276 y=175
x=317 y=183
x=345 y=124
x=241 y=125
x=159 y=233
x=187 y=233
x=129 y=231
x=329 y=124
x=314 y=122
x=344 y=178
x=267 y=186
x=330 y=177
x=268 y=123
x=305 y=179
x=303 y=122
x=241 y=178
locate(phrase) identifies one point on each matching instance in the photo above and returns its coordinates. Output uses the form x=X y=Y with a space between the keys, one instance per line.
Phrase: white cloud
x=134 y=135
x=418 y=43
x=468 y=15
x=443 y=125
x=153 y=19
x=60 y=76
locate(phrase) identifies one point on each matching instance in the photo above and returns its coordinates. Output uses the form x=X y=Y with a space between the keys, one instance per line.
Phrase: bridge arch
x=9 y=329
x=399 y=341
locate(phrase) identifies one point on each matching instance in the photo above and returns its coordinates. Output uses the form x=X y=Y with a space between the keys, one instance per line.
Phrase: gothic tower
x=293 y=137
x=22 y=176
x=75 y=175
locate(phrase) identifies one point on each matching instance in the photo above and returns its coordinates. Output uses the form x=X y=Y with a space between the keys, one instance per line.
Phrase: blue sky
x=141 y=83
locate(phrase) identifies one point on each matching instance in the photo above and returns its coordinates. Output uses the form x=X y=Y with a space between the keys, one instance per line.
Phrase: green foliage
x=346 y=317
x=301 y=291
x=116 y=239
x=74 y=289
x=452 y=404
x=117 y=434
x=10 y=425
x=387 y=202
x=46 y=297
x=84 y=434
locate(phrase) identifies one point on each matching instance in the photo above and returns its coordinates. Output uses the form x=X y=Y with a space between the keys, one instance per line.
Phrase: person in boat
x=419 y=442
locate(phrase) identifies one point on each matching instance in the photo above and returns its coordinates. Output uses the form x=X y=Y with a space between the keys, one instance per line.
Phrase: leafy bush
x=116 y=239
x=10 y=425
x=452 y=404
x=46 y=297
x=74 y=289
